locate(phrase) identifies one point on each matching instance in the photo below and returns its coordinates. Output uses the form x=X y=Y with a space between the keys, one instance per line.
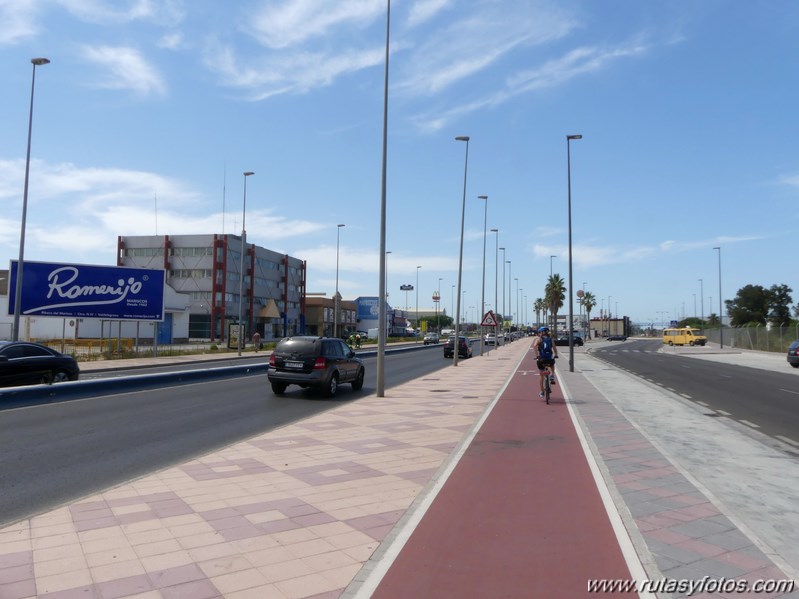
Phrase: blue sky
x=151 y=110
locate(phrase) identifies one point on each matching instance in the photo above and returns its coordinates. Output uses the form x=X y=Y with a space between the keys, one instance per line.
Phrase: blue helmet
x=543 y=330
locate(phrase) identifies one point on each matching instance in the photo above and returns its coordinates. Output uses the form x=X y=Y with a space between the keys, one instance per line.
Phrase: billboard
x=86 y=291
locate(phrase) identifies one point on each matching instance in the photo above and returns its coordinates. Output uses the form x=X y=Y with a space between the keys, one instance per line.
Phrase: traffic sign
x=489 y=320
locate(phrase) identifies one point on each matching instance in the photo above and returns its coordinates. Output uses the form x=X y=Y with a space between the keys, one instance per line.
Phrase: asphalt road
x=54 y=453
x=765 y=401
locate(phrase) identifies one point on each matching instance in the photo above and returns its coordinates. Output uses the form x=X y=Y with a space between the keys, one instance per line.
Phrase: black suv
x=314 y=362
x=464 y=348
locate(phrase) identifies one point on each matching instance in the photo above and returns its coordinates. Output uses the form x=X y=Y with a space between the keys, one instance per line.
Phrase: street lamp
x=417 y=298
x=483 y=287
x=503 y=284
x=721 y=324
x=36 y=62
x=510 y=297
x=382 y=308
x=496 y=281
x=550 y=264
x=438 y=322
x=569 y=138
x=242 y=265
x=517 y=300
x=336 y=303
x=460 y=255
x=452 y=299
x=702 y=304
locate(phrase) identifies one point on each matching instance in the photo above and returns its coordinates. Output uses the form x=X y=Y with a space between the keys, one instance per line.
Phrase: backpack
x=545 y=348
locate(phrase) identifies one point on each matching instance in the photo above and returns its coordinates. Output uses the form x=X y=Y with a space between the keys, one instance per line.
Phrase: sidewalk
x=393 y=496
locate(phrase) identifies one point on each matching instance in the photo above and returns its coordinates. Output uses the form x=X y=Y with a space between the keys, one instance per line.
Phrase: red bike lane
x=519 y=516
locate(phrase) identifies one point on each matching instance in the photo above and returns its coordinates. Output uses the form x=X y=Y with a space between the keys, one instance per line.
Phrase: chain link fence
x=761 y=337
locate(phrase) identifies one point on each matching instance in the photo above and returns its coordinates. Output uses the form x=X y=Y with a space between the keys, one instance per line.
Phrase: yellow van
x=683 y=336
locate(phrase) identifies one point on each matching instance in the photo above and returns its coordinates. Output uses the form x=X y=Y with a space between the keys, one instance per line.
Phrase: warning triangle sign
x=489 y=320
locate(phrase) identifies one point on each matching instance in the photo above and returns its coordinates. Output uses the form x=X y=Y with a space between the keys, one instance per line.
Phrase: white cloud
x=118 y=12
x=18 y=18
x=296 y=21
x=577 y=62
x=424 y=10
x=297 y=73
x=127 y=69
x=791 y=180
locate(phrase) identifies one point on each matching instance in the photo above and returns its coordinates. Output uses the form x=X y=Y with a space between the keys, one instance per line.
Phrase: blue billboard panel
x=368 y=308
x=85 y=291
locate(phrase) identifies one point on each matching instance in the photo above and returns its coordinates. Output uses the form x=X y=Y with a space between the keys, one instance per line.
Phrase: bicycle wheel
x=547 y=388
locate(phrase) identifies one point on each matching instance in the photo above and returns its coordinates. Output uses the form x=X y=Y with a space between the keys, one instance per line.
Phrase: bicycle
x=547 y=385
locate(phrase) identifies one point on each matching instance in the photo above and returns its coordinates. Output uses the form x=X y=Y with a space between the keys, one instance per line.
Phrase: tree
x=713 y=320
x=779 y=304
x=751 y=304
x=539 y=306
x=554 y=293
x=589 y=303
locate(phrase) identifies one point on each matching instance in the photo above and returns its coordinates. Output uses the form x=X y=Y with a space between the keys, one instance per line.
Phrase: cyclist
x=546 y=351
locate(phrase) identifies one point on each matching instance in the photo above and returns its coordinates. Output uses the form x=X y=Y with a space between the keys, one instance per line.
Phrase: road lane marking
x=723 y=413
x=747 y=423
x=789 y=391
x=787 y=440
x=685 y=395
x=702 y=403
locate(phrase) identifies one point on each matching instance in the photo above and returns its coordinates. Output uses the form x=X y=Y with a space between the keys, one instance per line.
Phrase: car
x=27 y=363
x=490 y=339
x=617 y=338
x=464 y=347
x=431 y=338
x=320 y=362
x=793 y=354
x=564 y=340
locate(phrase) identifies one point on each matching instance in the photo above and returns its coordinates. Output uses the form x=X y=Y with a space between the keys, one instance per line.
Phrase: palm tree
x=540 y=306
x=554 y=293
x=589 y=302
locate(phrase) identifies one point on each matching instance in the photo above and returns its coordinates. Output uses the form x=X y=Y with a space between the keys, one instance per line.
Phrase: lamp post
x=460 y=255
x=438 y=322
x=510 y=297
x=336 y=303
x=516 y=314
x=569 y=138
x=242 y=266
x=496 y=283
x=382 y=306
x=550 y=264
x=483 y=286
x=503 y=287
x=36 y=62
x=702 y=304
x=452 y=300
x=721 y=323
x=416 y=339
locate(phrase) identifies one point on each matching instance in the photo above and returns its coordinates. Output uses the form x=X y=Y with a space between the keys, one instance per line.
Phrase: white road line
x=671 y=389
x=789 y=391
x=787 y=440
x=747 y=423
x=702 y=403
x=723 y=413
x=685 y=395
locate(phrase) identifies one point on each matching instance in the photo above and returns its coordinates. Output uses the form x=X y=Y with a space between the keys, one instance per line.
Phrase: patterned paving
x=296 y=513
x=289 y=514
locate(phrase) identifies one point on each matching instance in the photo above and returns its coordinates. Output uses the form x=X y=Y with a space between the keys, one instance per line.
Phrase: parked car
x=431 y=338
x=25 y=363
x=617 y=338
x=793 y=354
x=564 y=340
x=490 y=339
x=319 y=362
x=464 y=348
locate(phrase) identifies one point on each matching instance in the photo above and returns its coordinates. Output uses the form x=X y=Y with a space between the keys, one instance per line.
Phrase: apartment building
x=207 y=270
